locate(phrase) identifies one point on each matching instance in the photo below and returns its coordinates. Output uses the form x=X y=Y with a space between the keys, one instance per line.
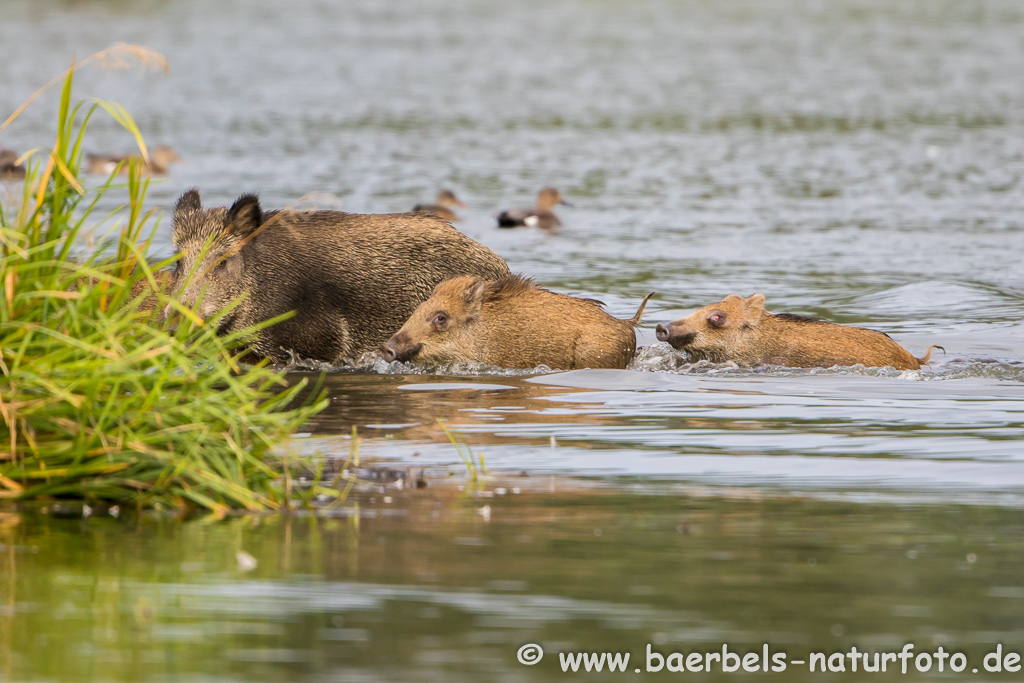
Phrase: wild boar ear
x=244 y=216
x=474 y=297
x=753 y=306
x=189 y=201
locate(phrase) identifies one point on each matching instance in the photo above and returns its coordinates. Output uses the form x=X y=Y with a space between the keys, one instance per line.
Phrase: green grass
x=474 y=461
x=99 y=399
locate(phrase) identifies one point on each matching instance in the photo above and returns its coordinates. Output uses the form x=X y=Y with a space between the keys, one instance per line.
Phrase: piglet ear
x=244 y=216
x=189 y=201
x=753 y=306
x=474 y=297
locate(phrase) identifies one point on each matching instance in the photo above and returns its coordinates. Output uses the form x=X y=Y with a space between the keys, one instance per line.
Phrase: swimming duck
x=443 y=208
x=9 y=167
x=160 y=158
x=541 y=217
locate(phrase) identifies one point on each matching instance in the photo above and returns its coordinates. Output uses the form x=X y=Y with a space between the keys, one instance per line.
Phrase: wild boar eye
x=716 y=319
x=221 y=265
x=440 y=319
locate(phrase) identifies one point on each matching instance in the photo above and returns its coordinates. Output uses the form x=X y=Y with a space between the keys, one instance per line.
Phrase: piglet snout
x=392 y=351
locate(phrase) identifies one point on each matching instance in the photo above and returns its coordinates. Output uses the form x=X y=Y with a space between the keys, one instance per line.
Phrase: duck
x=541 y=217
x=10 y=169
x=442 y=208
x=160 y=159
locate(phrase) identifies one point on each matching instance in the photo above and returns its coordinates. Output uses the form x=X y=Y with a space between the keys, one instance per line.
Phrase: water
x=427 y=588
x=861 y=161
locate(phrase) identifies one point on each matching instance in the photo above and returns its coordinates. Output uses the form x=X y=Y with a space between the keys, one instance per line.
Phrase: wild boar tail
x=923 y=360
x=635 y=320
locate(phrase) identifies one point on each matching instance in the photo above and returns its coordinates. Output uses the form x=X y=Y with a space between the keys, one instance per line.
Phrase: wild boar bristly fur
x=740 y=330
x=165 y=285
x=352 y=279
x=512 y=323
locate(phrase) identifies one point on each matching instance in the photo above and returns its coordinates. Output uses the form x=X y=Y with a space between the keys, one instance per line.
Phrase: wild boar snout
x=169 y=318
x=675 y=334
x=394 y=349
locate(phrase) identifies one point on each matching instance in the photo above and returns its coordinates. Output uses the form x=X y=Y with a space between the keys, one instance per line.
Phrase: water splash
x=380 y=366
x=371 y=362
x=661 y=357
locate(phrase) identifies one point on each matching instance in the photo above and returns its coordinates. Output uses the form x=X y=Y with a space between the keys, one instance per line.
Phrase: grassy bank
x=99 y=399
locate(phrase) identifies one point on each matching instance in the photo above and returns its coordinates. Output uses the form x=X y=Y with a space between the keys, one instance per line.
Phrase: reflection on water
x=900 y=438
x=856 y=160
x=914 y=435
x=425 y=587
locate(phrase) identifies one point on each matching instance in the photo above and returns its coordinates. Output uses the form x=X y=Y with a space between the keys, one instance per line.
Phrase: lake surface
x=861 y=161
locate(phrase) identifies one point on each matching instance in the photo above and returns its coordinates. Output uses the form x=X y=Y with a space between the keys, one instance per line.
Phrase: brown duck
x=541 y=217
x=160 y=159
x=442 y=209
x=10 y=169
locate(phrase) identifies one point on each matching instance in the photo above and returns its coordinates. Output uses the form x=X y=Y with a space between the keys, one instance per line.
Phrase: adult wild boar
x=740 y=330
x=512 y=323
x=165 y=285
x=351 y=279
